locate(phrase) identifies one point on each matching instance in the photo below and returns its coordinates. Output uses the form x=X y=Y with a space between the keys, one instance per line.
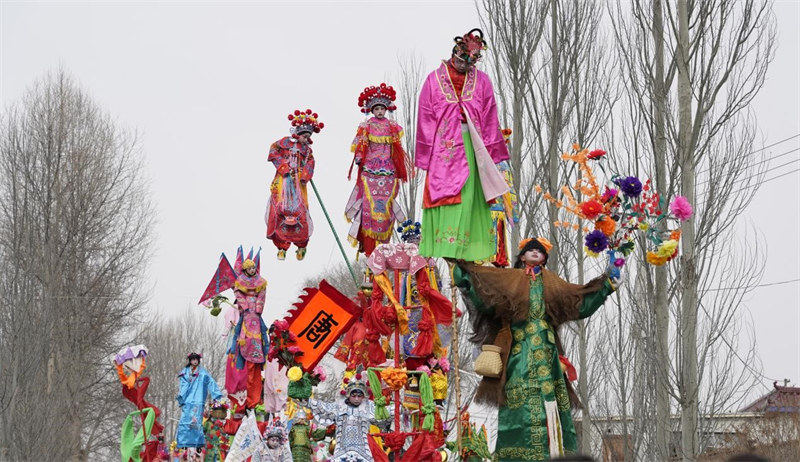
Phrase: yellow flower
x=590 y=253
x=667 y=248
x=644 y=226
x=295 y=374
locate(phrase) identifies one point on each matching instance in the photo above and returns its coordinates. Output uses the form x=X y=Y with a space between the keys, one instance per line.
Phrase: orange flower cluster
x=592 y=206
x=394 y=377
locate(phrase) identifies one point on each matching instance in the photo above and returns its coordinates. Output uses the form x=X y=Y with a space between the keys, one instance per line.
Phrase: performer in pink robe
x=287 y=218
x=458 y=143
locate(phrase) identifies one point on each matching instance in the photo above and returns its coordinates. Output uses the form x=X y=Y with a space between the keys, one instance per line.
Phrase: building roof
x=781 y=399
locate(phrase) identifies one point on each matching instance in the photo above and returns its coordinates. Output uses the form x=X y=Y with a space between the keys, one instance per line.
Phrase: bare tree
x=410 y=80
x=74 y=236
x=169 y=341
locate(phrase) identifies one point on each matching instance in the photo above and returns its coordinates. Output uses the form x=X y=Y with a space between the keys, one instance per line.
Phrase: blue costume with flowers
x=196 y=385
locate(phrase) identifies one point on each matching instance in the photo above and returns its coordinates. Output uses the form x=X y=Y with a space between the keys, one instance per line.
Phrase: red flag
x=223 y=279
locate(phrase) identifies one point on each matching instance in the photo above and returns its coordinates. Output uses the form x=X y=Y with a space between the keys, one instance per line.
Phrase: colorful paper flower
x=606 y=225
x=596 y=154
x=591 y=209
x=681 y=208
x=596 y=241
x=395 y=378
x=630 y=186
x=609 y=194
x=295 y=374
x=667 y=248
x=654 y=259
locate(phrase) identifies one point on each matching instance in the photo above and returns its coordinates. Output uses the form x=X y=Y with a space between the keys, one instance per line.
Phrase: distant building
x=769 y=426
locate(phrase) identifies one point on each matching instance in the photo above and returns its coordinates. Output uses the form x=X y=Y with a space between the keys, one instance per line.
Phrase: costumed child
x=274 y=448
x=515 y=314
x=249 y=345
x=381 y=162
x=196 y=385
x=287 y=217
x=302 y=436
x=353 y=417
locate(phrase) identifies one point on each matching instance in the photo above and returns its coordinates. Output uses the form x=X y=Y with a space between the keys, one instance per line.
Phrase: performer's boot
x=301 y=253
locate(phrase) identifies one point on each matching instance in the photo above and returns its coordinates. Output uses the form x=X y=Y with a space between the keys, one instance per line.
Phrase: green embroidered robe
x=532 y=372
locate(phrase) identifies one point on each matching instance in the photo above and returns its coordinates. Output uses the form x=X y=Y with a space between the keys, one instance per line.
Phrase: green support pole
x=336 y=236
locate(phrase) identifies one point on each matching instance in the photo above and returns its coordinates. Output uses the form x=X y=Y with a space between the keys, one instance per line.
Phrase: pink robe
x=440 y=147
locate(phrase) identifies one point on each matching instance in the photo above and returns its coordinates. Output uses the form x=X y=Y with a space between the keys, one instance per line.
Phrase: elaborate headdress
x=469 y=46
x=275 y=428
x=194 y=355
x=247 y=264
x=355 y=383
x=383 y=95
x=305 y=122
x=409 y=230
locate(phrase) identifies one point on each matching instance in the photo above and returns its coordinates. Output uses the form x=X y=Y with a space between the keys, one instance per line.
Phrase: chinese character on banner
x=322 y=315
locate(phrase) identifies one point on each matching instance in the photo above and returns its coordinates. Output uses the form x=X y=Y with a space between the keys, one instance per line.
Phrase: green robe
x=534 y=376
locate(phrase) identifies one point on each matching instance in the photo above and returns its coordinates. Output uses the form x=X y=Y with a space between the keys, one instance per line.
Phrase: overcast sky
x=208 y=86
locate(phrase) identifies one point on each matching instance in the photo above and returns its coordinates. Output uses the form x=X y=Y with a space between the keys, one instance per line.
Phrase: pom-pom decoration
x=305 y=122
x=381 y=95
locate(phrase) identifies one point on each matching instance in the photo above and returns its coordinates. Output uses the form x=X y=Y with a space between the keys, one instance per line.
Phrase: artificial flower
x=667 y=248
x=294 y=349
x=619 y=262
x=320 y=373
x=591 y=209
x=681 y=208
x=675 y=235
x=395 y=378
x=295 y=374
x=596 y=241
x=596 y=154
x=654 y=259
x=444 y=363
x=606 y=225
x=630 y=186
x=590 y=253
x=281 y=324
x=609 y=194
x=644 y=226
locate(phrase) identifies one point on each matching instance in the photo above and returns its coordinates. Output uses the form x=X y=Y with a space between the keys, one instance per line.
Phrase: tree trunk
x=661 y=337
x=688 y=320
x=552 y=143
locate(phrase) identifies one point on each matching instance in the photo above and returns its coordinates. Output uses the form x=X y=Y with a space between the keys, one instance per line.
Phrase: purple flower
x=630 y=186
x=596 y=241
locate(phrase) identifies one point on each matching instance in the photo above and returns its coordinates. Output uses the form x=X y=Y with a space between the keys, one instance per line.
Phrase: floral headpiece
x=469 y=46
x=383 y=95
x=409 y=230
x=305 y=122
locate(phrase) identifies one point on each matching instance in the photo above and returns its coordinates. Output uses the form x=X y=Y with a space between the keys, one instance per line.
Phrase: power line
x=763 y=148
x=761 y=184
x=763 y=161
x=759 y=285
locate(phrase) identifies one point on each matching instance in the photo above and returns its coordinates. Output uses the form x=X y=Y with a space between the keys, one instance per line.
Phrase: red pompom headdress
x=383 y=95
x=305 y=122
x=469 y=46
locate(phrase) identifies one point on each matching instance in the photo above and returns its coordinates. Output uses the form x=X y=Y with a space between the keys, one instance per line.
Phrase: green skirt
x=462 y=231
